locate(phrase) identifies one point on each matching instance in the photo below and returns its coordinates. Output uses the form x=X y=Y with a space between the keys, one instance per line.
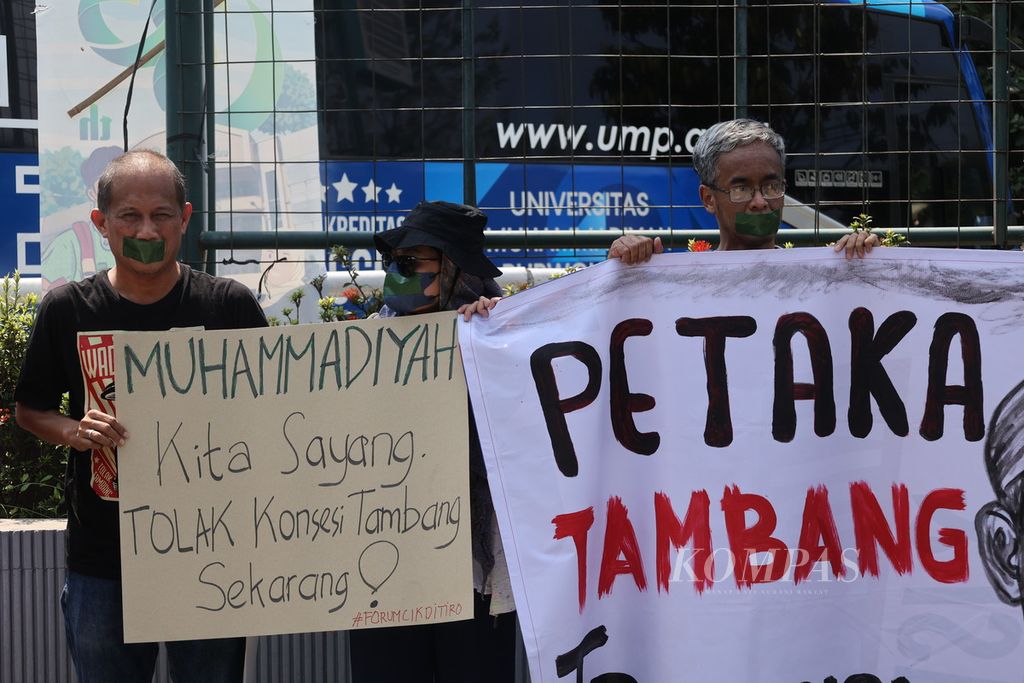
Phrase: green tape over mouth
x=143 y=251
x=396 y=284
x=759 y=224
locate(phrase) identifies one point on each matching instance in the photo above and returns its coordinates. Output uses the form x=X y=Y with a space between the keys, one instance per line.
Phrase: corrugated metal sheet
x=312 y=657
x=32 y=645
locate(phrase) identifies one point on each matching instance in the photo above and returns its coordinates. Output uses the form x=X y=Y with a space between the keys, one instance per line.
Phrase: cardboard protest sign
x=293 y=479
x=762 y=466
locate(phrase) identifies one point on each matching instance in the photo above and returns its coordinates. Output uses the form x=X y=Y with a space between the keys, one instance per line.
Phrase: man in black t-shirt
x=141 y=210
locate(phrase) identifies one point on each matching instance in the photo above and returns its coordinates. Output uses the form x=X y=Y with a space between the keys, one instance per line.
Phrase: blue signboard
x=577 y=197
x=370 y=197
x=366 y=196
x=19 y=195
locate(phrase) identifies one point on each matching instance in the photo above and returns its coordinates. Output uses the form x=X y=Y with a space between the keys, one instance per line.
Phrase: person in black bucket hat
x=435 y=262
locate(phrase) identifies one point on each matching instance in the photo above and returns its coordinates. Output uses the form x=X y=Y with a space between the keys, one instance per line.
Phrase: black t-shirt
x=52 y=368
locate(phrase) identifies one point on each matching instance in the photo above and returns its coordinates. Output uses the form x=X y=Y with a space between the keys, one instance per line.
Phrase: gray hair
x=131 y=162
x=726 y=136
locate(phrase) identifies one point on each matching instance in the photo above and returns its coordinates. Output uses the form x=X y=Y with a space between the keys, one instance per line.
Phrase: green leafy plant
x=890 y=238
x=861 y=223
x=568 y=271
x=31 y=471
x=514 y=288
x=355 y=301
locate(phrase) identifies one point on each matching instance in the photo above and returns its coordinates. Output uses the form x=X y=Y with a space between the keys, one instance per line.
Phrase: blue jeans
x=93 y=623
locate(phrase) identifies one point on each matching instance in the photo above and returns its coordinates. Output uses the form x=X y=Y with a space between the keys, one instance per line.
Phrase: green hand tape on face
x=404 y=294
x=143 y=251
x=759 y=224
x=396 y=284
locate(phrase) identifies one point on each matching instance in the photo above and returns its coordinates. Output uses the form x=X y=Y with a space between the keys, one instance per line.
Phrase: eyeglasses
x=407 y=264
x=741 y=194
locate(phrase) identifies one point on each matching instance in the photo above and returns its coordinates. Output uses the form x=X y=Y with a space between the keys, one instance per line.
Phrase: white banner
x=762 y=466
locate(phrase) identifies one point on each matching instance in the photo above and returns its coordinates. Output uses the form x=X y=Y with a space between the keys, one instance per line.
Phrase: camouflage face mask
x=404 y=294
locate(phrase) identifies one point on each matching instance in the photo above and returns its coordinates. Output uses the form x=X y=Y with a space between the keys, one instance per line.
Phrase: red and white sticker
x=96 y=355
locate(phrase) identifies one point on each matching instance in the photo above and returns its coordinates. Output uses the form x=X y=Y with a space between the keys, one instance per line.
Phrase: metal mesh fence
x=569 y=121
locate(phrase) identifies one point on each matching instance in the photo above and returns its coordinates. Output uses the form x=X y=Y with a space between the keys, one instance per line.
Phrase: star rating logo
x=394 y=194
x=345 y=189
x=370 y=191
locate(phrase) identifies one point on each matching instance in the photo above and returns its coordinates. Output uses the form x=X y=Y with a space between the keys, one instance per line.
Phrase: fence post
x=186 y=142
x=1000 y=118
x=740 y=86
x=210 y=139
x=468 y=107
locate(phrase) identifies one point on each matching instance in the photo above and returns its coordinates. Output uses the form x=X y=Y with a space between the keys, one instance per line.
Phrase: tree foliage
x=31 y=472
x=296 y=104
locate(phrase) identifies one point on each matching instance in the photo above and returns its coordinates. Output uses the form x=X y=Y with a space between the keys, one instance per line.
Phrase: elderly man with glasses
x=742 y=169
